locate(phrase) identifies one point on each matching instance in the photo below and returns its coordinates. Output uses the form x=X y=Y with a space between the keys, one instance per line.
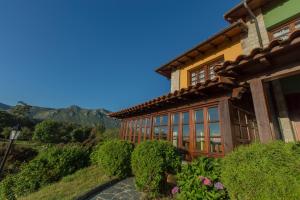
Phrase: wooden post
x=261 y=110
x=226 y=126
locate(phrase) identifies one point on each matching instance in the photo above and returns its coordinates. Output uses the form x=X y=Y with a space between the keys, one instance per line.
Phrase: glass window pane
x=186 y=136
x=175 y=118
x=215 y=145
x=199 y=116
x=156 y=133
x=164 y=133
x=148 y=122
x=148 y=135
x=297 y=25
x=175 y=135
x=282 y=33
x=213 y=114
x=143 y=133
x=214 y=129
x=186 y=118
x=200 y=137
x=156 y=121
x=164 y=120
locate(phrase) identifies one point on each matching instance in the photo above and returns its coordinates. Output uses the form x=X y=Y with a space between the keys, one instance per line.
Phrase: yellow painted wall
x=229 y=50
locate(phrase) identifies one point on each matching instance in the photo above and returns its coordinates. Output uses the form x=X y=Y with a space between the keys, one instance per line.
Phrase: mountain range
x=73 y=114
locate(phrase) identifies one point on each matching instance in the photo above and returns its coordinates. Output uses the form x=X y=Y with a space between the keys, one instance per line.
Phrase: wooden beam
x=261 y=110
x=226 y=126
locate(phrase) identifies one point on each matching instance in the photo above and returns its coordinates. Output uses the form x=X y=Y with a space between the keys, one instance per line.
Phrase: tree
x=48 y=131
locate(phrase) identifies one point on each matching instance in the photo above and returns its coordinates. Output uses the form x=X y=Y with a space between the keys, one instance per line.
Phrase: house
x=240 y=85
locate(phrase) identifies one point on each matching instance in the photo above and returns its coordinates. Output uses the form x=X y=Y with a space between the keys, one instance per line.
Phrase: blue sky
x=97 y=53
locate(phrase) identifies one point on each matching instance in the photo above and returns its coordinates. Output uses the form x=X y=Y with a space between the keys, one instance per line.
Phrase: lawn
x=71 y=186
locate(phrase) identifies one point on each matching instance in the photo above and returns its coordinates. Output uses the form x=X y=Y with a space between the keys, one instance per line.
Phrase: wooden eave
x=240 y=12
x=201 y=90
x=278 y=54
x=200 y=50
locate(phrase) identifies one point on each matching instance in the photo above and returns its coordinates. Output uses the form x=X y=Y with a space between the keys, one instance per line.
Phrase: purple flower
x=175 y=190
x=219 y=186
x=207 y=181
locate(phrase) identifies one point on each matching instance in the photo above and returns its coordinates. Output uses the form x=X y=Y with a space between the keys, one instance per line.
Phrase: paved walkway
x=124 y=190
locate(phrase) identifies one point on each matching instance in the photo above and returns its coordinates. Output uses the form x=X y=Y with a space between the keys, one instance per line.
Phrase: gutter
x=252 y=15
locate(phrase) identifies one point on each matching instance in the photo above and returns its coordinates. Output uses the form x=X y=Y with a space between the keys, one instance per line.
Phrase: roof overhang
x=277 y=55
x=212 y=43
x=199 y=91
x=240 y=12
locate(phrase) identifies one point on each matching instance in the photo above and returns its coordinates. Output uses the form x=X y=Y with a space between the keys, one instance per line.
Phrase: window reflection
x=185 y=130
x=214 y=130
x=199 y=127
x=175 y=128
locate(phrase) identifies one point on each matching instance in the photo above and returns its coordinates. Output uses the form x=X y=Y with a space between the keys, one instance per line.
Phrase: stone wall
x=250 y=39
x=175 y=79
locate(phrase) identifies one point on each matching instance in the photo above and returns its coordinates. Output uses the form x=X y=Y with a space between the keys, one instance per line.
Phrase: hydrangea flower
x=207 y=181
x=219 y=186
x=175 y=190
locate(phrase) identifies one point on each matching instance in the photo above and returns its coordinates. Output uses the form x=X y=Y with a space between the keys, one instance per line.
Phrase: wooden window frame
x=291 y=24
x=192 y=134
x=205 y=67
x=159 y=126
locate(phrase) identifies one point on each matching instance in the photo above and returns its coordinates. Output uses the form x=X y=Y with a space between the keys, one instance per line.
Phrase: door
x=293 y=104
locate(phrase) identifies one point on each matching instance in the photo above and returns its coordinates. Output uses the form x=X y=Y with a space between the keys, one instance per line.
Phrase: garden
x=84 y=158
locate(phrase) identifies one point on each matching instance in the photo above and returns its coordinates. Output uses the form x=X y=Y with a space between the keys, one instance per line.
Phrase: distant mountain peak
x=4 y=106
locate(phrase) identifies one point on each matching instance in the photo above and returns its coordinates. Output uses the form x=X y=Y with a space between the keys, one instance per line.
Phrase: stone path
x=124 y=190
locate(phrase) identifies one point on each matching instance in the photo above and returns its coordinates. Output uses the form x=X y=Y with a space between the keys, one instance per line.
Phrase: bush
x=48 y=167
x=50 y=131
x=151 y=161
x=200 y=180
x=114 y=157
x=263 y=172
x=6 y=189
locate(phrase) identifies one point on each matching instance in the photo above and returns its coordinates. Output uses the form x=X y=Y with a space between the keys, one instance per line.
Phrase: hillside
x=4 y=106
x=73 y=114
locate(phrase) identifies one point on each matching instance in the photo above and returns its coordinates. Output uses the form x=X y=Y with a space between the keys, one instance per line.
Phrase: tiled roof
x=257 y=54
x=199 y=90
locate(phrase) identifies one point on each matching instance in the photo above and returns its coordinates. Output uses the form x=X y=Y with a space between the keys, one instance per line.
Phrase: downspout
x=252 y=15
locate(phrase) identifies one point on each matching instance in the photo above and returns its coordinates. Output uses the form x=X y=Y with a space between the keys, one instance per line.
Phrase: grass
x=71 y=186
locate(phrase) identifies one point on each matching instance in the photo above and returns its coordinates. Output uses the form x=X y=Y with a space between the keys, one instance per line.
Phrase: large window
x=194 y=129
x=204 y=72
x=160 y=127
x=175 y=128
x=186 y=130
x=214 y=130
x=282 y=32
x=199 y=129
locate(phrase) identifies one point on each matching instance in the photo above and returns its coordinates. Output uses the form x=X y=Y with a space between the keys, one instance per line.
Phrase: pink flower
x=207 y=181
x=175 y=190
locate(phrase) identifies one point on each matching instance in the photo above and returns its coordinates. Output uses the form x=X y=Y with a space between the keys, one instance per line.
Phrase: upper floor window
x=283 y=32
x=204 y=72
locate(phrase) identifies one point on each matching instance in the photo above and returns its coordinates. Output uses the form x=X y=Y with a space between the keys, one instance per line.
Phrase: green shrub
x=151 y=161
x=200 y=180
x=263 y=172
x=48 y=132
x=114 y=157
x=48 y=167
x=6 y=189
